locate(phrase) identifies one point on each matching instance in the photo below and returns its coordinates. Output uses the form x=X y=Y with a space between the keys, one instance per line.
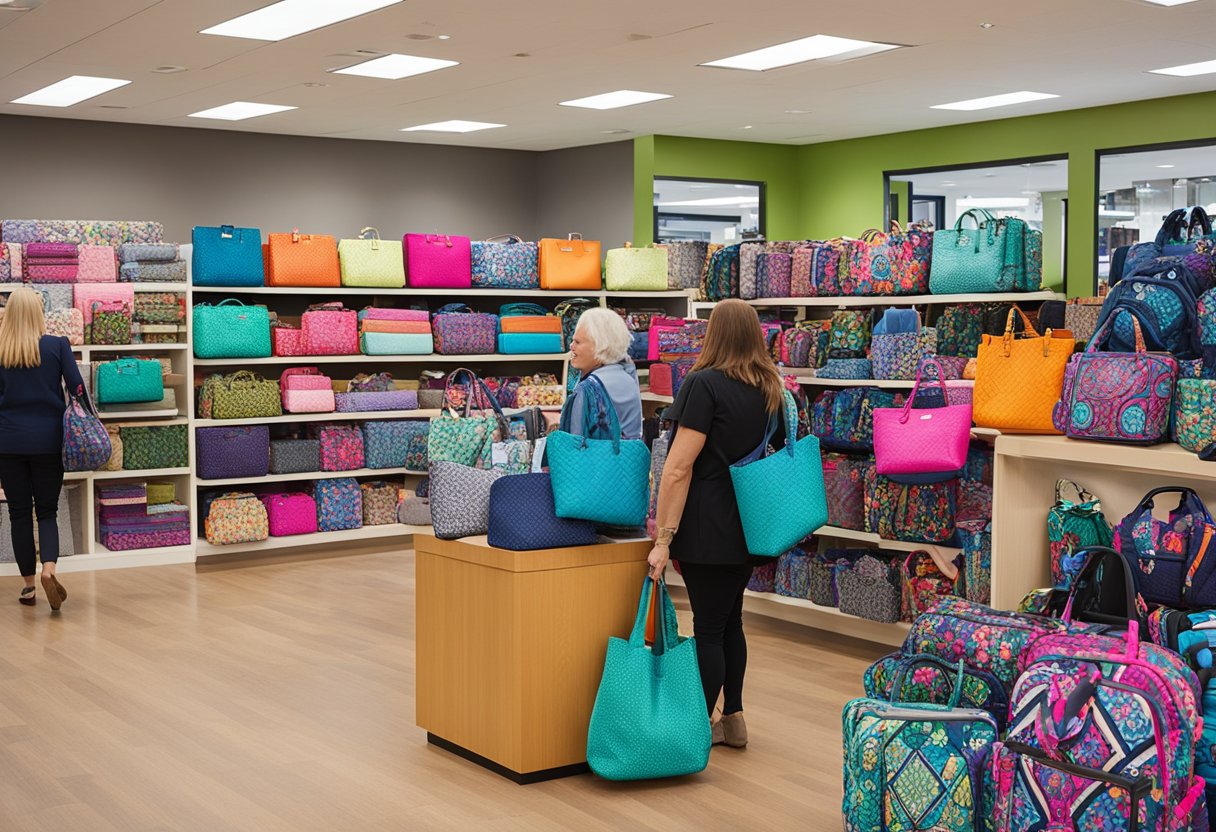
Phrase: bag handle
x=375 y=236
x=504 y=238
x=1173 y=227
x=1094 y=557
x=590 y=416
x=790 y=410
x=666 y=636
x=568 y=245
x=233 y=301
x=1083 y=496
x=454 y=309
x=243 y=378
x=1104 y=331
x=941 y=383
x=897 y=685
x=435 y=239
x=1200 y=218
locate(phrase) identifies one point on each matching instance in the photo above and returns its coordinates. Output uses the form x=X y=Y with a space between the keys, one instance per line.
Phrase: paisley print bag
x=67 y=323
x=505 y=262
x=926 y=580
x=871 y=265
x=341 y=448
x=154 y=446
x=911 y=253
x=238 y=517
x=793 y=576
x=923 y=513
x=845 y=484
x=898 y=677
x=458 y=330
x=826 y=568
x=1194 y=413
x=850 y=335
x=686 y=263
x=339 y=504
x=1073 y=525
x=466 y=438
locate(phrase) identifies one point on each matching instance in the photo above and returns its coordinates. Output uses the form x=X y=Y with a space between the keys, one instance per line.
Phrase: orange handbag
x=297 y=259
x=407 y=327
x=1018 y=379
x=531 y=323
x=573 y=263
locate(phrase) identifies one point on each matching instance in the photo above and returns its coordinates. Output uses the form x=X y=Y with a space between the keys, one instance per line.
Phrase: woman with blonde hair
x=34 y=370
x=720 y=417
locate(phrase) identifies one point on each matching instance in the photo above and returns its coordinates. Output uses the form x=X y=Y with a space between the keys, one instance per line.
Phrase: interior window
x=716 y=211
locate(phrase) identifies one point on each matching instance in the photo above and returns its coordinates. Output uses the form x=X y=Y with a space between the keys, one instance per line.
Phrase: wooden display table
x=511 y=645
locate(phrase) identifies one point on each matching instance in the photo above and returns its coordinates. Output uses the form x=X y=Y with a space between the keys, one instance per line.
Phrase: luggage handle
x=504 y=238
x=926 y=659
x=435 y=239
x=374 y=238
x=227 y=232
x=1094 y=556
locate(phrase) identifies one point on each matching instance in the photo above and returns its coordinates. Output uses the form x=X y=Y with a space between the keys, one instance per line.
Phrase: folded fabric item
x=54 y=295
x=519 y=343
x=153 y=272
x=169 y=508
x=147 y=252
x=15 y=259
x=52 y=261
x=50 y=250
x=413 y=327
x=386 y=400
x=846 y=368
x=119 y=541
x=81 y=232
x=388 y=313
x=531 y=323
x=50 y=274
x=395 y=343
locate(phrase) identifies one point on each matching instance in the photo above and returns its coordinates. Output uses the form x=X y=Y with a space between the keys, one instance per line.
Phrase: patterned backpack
x=721 y=279
x=909 y=765
x=1165 y=306
x=86 y=443
x=1102 y=735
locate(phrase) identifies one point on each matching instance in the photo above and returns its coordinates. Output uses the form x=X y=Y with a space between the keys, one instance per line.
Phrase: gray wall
x=72 y=169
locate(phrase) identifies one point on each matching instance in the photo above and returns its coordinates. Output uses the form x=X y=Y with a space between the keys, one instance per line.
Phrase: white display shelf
x=455 y=292
x=170 y=412
x=908 y=300
x=138 y=287
x=206 y=550
x=880 y=543
x=311 y=475
x=885 y=384
x=291 y=418
x=124 y=474
x=103 y=558
x=89 y=348
x=647 y=396
x=359 y=358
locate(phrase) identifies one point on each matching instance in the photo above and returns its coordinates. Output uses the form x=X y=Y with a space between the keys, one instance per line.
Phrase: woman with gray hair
x=600 y=348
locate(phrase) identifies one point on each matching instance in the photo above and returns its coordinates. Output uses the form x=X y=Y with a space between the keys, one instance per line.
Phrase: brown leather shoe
x=51 y=587
x=734 y=730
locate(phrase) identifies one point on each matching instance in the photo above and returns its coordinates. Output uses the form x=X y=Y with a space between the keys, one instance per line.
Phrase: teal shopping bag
x=649 y=718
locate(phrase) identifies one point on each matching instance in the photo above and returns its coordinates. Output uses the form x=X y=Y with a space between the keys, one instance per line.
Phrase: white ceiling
x=1090 y=52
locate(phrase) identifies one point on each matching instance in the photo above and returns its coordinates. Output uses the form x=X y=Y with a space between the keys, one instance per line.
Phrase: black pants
x=716 y=595
x=32 y=481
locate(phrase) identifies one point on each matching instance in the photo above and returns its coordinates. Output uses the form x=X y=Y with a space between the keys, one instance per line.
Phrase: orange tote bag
x=573 y=263
x=297 y=259
x=1018 y=380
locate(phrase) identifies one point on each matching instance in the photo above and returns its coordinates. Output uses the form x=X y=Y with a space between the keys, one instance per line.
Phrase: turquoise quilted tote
x=781 y=496
x=230 y=329
x=649 y=718
x=129 y=380
x=970 y=260
x=602 y=480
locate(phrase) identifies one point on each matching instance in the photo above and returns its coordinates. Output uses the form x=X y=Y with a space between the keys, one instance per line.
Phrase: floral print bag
x=899 y=677
x=1171 y=560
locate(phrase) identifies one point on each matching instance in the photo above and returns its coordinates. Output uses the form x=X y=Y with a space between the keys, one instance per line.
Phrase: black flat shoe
x=28 y=596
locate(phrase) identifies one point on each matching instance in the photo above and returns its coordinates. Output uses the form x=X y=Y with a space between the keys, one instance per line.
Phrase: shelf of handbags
x=473 y=292
x=850 y=301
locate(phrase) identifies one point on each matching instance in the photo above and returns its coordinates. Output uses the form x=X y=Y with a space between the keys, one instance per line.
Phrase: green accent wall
x=824 y=190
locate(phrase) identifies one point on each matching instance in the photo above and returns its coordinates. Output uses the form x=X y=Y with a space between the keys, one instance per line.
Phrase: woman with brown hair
x=720 y=417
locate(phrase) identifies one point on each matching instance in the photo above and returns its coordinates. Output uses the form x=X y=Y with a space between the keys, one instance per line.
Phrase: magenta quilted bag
x=458 y=330
x=290 y=514
x=38 y=273
x=438 y=261
x=329 y=329
x=341 y=448
x=50 y=250
x=97 y=265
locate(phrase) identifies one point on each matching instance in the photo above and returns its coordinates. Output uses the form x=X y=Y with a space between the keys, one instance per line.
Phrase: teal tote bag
x=781 y=496
x=602 y=480
x=649 y=719
x=970 y=260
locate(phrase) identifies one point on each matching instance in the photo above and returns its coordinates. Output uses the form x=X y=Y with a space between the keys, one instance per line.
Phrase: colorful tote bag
x=971 y=260
x=1019 y=380
x=631 y=269
x=339 y=504
x=227 y=256
x=438 y=261
x=297 y=259
x=923 y=513
x=466 y=438
x=86 y=443
x=370 y=261
x=1073 y=525
x=329 y=329
x=911 y=254
x=1170 y=559
x=851 y=334
x=505 y=262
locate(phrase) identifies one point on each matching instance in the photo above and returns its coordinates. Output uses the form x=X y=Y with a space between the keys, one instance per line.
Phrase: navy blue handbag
x=523 y=517
x=226 y=256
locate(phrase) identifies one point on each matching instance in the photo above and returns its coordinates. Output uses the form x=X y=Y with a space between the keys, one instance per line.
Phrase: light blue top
x=621 y=382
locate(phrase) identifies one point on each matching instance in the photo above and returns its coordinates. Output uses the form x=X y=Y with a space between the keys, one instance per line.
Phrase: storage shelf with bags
x=149 y=473
x=359 y=358
x=836 y=301
x=879 y=542
x=462 y=293
x=150 y=286
x=346 y=537
x=307 y=476
x=333 y=416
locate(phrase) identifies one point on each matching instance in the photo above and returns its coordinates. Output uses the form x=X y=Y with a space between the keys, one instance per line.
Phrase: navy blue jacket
x=32 y=401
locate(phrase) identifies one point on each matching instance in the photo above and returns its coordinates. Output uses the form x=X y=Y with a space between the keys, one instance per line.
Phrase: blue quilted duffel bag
x=226 y=256
x=529 y=343
x=522 y=516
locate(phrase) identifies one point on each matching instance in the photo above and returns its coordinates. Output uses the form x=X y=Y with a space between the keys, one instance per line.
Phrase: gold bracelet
x=665 y=536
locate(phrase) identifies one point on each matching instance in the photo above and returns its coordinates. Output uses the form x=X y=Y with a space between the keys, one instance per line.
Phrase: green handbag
x=230 y=329
x=153 y=446
x=371 y=261
x=1195 y=413
x=1071 y=527
x=129 y=380
x=972 y=260
x=632 y=269
x=649 y=718
x=466 y=439
x=242 y=395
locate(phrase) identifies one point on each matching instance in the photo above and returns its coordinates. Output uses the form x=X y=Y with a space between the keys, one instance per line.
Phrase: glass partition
x=713 y=210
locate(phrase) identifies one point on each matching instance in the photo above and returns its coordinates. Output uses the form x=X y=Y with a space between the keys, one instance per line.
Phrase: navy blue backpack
x=1165 y=304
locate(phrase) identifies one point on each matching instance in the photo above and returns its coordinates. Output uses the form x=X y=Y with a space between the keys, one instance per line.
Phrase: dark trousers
x=716 y=595
x=32 y=481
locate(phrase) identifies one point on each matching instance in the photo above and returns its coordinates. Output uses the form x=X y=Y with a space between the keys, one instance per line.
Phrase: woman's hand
x=659 y=556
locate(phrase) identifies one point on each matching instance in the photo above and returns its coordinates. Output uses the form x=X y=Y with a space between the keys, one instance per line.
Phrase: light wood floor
x=280 y=697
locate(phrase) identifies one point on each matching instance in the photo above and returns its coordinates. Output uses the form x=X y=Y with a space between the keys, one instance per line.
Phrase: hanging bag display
x=297 y=259
x=1073 y=525
x=370 y=261
x=129 y=380
x=1019 y=380
x=226 y=256
x=781 y=496
x=230 y=329
x=925 y=441
x=573 y=263
x=649 y=716
x=86 y=442
x=505 y=262
x=438 y=261
x=632 y=269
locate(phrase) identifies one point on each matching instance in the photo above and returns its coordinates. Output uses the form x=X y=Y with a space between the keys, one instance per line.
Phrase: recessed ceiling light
x=395 y=67
x=987 y=25
x=444 y=37
x=1165 y=166
x=613 y=132
x=71 y=91
x=796 y=112
x=948 y=185
x=797 y=52
x=289 y=18
x=240 y=110
x=1171 y=2
x=1187 y=70
x=995 y=101
x=746 y=127
x=453 y=126
x=612 y=100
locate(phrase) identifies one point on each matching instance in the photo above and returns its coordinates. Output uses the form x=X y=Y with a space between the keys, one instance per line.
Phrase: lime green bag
x=373 y=262
x=649 y=718
x=632 y=269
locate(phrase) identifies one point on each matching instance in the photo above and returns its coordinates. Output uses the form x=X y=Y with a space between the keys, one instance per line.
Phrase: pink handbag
x=290 y=514
x=287 y=340
x=922 y=441
x=341 y=448
x=98 y=264
x=438 y=261
x=388 y=313
x=661 y=323
x=84 y=295
x=306 y=390
x=36 y=272
x=329 y=329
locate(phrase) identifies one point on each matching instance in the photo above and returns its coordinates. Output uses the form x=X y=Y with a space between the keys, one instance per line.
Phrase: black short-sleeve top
x=733 y=418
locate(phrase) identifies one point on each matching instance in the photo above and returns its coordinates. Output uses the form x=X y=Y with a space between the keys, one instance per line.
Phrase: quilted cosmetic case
x=528 y=343
x=379 y=503
x=97 y=265
x=238 y=517
x=396 y=343
x=329 y=329
x=129 y=380
x=227 y=256
x=458 y=330
x=297 y=259
x=306 y=390
x=119 y=538
x=288 y=514
x=85 y=295
x=386 y=443
x=286 y=340
x=505 y=262
x=295 y=456
x=438 y=261
x=230 y=329
x=370 y=261
x=387 y=400
x=339 y=504
x=235 y=451
x=154 y=446
x=341 y=448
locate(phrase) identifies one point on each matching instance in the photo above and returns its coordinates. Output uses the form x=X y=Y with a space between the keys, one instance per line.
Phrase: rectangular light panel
x=1171 y=2
x=395 y=67
x=454 y=126
x=797 y=52
x=289 y=18
x=71 y=91
x=240 y=110
x=612 y=100
x=995 y=101
x=1187 y=70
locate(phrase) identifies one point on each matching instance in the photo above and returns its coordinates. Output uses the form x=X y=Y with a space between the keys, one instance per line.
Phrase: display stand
x=511 y=646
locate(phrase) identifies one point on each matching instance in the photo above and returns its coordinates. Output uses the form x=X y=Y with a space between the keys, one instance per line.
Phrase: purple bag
x=51 y=250
x=341 y=448
x=458 y=330
x=229 y=452
x=388 y=400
